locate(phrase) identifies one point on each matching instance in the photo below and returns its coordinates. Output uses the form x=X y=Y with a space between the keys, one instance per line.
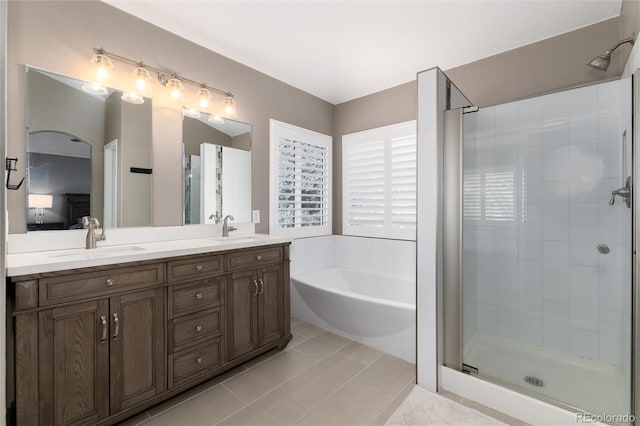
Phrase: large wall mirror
x=217 y=168
x=88 y=153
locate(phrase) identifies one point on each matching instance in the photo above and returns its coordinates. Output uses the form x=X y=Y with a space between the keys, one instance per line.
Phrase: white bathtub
x=377 y=310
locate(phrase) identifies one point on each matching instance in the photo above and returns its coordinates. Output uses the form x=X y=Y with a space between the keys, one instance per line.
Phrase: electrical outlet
x=255 y=216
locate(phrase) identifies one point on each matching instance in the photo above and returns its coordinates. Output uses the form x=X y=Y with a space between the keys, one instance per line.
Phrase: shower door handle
x=624 y=193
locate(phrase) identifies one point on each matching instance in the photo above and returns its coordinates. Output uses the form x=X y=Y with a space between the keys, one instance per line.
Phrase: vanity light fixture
x=175 y=86
x=101 y=65
x=204 y=96
x=142 y=82
x=142 y=79
x=230 y=106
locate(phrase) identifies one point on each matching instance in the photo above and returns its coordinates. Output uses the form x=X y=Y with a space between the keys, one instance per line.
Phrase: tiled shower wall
x=379 y=256
x=538 y=175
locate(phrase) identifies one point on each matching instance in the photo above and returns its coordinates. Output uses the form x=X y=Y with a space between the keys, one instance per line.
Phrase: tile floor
x=320 y=378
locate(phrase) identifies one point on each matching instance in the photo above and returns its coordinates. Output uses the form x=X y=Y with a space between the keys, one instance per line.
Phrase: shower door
x=546 y=247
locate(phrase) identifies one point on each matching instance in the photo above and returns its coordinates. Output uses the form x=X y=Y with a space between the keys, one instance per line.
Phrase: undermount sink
x=96 y=253
x=238 y=239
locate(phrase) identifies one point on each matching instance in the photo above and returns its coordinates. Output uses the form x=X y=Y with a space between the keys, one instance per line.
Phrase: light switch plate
x=255 y=216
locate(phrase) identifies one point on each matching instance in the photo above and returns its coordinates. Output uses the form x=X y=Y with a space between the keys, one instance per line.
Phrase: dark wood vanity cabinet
x=96 y=345
x=256 y=305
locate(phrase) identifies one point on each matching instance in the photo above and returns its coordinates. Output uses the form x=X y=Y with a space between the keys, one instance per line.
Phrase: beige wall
x=59 y=36
x=630 y=18
x=389 y=106
x=547 y=65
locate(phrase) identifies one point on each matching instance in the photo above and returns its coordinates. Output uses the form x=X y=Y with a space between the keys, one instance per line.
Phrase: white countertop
x=60 y=260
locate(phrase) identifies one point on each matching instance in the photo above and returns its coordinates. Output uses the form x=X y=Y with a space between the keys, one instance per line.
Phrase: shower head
x=601 y=62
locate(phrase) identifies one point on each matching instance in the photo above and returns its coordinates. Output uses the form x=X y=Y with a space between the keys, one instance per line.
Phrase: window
x=300 y=181
x=379 y=182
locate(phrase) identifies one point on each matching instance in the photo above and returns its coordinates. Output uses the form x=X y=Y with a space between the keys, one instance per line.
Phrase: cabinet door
x=74 y=364
x=137 y=348
x=241 y=313
x=270 y=304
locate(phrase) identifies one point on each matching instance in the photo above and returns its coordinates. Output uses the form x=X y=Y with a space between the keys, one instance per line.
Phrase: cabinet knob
x=198 y=328
x=199 y=360
x=110 y=282
x=198 y=296
x=198 y=268
x=258 y=257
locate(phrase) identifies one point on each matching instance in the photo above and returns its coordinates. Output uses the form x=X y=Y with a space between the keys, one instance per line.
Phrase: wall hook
x=10 y=166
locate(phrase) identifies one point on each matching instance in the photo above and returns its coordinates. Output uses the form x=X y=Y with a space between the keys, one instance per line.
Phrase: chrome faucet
x=225 y=227
x=91 y=223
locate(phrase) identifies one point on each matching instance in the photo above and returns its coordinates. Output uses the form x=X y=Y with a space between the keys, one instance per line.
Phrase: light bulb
x=102 y=66
x=175 y=88
x=142 y=79
x=204 y=96
x=230 y=106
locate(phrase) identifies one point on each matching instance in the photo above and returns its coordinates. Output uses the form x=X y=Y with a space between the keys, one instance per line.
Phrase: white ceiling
x=341 y=50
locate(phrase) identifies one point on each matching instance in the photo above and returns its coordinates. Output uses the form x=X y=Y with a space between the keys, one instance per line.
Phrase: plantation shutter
x=379 y=182
x=301 y=181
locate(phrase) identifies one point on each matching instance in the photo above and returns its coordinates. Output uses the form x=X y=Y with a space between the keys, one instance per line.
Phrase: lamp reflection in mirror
x=40 y=202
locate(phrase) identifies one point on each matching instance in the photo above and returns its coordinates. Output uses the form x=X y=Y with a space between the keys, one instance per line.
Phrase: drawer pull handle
x=116 y=322
x=110 y=282
x=199 y=360
x=198 y=268
x=258 y=257
x=261 y=286
x=103 y=321
x=255 y=283
x=198 y=328
x=198 y=296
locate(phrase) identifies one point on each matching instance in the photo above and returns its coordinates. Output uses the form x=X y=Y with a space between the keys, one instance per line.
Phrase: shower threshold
x=565 y=379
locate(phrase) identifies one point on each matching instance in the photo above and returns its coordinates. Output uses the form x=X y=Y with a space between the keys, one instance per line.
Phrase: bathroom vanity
x=98 y=339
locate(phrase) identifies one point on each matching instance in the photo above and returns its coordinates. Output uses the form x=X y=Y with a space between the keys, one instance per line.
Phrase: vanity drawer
x=195 y=296
x=194 y=327
x=195 y=267
x=189 y=364
x=73 y=287
x=254 y=258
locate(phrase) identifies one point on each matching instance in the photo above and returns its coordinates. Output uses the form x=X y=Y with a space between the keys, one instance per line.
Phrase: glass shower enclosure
x=547 y=246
